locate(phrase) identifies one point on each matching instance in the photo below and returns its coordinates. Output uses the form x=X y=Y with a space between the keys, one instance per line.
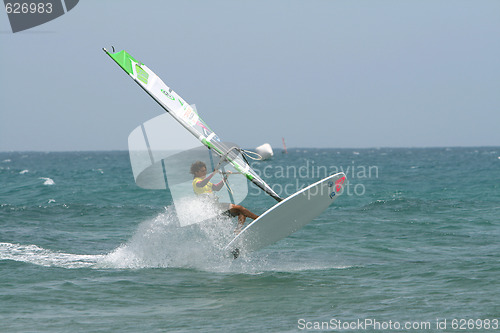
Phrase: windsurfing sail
x=178 y=108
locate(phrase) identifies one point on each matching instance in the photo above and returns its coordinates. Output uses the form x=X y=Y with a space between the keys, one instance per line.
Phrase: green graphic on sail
x=187 y=116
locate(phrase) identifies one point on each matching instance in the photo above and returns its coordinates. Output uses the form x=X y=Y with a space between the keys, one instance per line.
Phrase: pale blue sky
x=320 y=73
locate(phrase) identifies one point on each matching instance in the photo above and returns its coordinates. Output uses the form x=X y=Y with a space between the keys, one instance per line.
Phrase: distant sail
x=284 y=146
x=186 y=116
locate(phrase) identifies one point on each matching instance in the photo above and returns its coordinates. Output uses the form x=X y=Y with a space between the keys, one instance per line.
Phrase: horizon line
x=278 y=149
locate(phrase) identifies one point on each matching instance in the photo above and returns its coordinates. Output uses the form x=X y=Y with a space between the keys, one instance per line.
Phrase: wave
x=48 y=181
x=396 y=204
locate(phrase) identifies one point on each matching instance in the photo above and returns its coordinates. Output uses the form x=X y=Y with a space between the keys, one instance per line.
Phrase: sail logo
x=338 y=184
x=26 y=14
x=142 y=75
x=166 y=93
x=190 y=116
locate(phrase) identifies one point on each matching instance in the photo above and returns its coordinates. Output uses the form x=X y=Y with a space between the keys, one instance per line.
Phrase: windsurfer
x=203 y=186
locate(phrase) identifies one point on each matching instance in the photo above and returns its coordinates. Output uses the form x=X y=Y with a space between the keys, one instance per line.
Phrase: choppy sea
x=413 y=244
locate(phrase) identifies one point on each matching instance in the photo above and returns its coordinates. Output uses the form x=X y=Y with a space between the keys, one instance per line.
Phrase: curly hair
x=197 y=166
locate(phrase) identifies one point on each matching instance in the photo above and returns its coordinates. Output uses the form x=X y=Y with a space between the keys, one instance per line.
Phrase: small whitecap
x=48 y=181
x=7 y=160
x=23 y=172
x=355 y=152
x=39 y=256
x=51 y=201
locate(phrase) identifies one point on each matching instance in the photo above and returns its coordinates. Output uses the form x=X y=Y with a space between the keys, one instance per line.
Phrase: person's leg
x=237 y=209
x=242 y=213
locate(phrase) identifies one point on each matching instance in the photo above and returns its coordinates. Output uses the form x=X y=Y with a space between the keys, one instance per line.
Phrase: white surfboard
x=288 y=216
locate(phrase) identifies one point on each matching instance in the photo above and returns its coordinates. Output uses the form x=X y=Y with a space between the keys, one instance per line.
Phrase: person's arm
x=205 y=181
x=218 y=186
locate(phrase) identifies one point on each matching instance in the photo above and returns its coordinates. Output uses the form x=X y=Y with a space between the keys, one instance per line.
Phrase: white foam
x=23 y=172
x=42 y=257
x=160 y=242
x=48 y=181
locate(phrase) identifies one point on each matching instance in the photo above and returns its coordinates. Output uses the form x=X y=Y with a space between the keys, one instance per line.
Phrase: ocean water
x=414 y=240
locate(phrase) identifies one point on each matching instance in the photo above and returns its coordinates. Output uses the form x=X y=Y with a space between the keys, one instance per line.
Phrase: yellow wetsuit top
x=201 y=190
